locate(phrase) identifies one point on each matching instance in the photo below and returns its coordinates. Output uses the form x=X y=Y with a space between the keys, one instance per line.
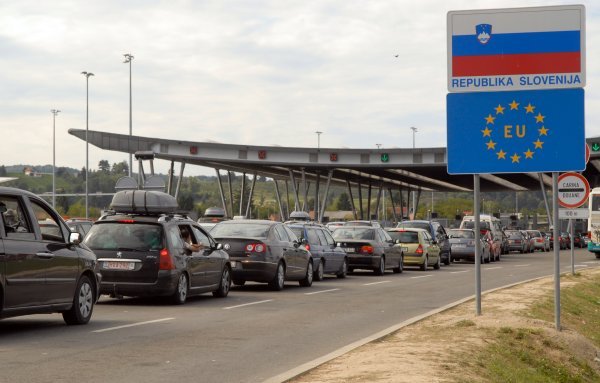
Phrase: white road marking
x=134 y=324
x=522 y=265
x=581 y=266
x=247 y=304
x=493 y=268
x=322 y=291
x=422 y=276
x=594 y=262
x=460 y=271
x=375 y=283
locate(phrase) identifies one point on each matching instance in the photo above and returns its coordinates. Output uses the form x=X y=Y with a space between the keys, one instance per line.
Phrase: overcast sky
x=262 y=72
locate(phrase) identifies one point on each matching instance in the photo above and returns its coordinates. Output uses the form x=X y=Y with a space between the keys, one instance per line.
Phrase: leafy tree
x=343 y=202
x=104 y=166
x=120 y=168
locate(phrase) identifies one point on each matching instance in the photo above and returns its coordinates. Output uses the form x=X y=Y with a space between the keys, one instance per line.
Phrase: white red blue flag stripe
x=518 y=48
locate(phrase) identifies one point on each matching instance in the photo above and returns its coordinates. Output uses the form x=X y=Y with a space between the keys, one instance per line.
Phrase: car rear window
x=241 y=230
x=356 y=232
x=125 y=236
x=405 y=236
x=415 y=225
x=461 y=234
x=298 y=231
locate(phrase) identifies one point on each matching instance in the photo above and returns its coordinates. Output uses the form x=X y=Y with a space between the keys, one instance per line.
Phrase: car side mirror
x=218 y=246
x=74 y=238
x=297 y=244
x=397 y=242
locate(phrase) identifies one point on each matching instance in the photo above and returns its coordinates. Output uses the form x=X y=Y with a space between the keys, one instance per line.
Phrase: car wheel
x=424 y=264
x=83 y=303
x=381 y=269
x=180 y=294
x=279 y=279
x=448 y=258
x=344 y=269
x=437 y=265
x=319 y=271
x=308 y=278
x=400 y=267
x=225 y=284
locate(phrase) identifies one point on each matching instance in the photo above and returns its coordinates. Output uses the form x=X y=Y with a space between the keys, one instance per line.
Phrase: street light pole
x=54 y=113
x=414 y=130
x=87 y=120
x=128 y=59
x=318 y=139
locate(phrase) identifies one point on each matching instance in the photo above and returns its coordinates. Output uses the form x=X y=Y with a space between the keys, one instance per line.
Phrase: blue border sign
x=516 y=132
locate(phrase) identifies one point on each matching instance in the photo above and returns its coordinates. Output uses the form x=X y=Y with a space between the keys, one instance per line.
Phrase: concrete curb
x=283 y=377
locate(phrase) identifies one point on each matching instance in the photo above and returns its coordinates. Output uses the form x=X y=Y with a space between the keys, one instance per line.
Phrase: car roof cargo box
x=143 y=202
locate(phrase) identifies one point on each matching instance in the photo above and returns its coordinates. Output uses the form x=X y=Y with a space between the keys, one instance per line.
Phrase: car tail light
x=166 y=262
x=256 y=247
x=126 y=221
x=307 y=246
x=366 y=249
x=419 y=249
x=539 y=240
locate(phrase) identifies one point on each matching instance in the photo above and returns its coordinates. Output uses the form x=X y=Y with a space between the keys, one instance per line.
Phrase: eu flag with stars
x=516 y=132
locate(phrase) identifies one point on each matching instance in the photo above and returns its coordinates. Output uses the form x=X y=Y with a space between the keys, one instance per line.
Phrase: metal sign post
x=476 y=202
x=556 y=233
x=572 y=248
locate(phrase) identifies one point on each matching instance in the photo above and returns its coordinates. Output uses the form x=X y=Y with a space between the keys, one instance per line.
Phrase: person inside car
x=188 y=243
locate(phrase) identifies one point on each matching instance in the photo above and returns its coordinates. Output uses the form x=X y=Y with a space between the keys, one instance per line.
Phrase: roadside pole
x=476 y=202
x=556 y=251
x=572 y=248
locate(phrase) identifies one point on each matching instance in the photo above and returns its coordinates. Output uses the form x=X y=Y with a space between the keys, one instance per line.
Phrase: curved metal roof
x=424 y=168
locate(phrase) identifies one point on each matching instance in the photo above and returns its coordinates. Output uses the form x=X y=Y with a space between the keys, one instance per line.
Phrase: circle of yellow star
x=491 y=145
x=538 y=144
x=515 y=158
x=539 y=118
x=489 y=119
x=501 y=154
x=486 y=132
x=528 y=154
x=514 y=105
x=543 y=131
x=499 y=109
x=529 y=108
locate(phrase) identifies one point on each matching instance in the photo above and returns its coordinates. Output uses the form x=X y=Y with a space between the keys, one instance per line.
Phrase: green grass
x=532 y=355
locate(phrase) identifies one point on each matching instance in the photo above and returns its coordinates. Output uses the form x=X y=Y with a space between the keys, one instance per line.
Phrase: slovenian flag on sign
x=498 y=46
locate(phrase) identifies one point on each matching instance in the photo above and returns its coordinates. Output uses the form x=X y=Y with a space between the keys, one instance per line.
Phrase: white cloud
x=251 y=72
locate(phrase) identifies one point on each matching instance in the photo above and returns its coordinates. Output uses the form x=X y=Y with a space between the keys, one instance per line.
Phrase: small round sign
x=573 y=190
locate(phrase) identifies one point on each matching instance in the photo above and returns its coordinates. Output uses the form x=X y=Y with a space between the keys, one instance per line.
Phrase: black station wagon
x=142 y=251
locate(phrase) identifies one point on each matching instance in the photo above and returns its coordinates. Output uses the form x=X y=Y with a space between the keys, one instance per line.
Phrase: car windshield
x=461 y=234
x=356 y=232
x=405 y=236
x=414 y=225
x=535 y=234
x=241 y=229
x=471 y=225
x=513 y=234
x=116 y=235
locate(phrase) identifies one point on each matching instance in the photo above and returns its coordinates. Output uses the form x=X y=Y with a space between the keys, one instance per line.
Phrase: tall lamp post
x=54 y=113
x=414 y=130
x=318 y=139
x=128 y=59
x=87 y=120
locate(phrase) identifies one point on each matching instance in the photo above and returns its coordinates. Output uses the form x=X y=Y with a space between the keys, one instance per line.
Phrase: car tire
x=400 y=267
x=278 y=280
x=424 y=265
x=225 y=284
x=448 y=258
x=438 y=264
x=380 y=270
x=318 y=274
x=83 y=303
x=308 y=278
x=344 y=270
x=181 y=291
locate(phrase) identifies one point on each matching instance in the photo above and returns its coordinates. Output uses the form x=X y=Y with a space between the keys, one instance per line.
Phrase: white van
x=488 y=222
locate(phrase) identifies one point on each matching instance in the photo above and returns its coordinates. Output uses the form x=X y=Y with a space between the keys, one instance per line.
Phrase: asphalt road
x=250 y=336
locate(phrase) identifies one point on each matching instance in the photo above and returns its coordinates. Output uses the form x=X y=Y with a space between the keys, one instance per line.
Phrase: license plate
x=349 y=249
x=112 y=265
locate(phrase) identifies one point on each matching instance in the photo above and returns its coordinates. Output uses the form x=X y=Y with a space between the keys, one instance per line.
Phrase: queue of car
x=143 y=247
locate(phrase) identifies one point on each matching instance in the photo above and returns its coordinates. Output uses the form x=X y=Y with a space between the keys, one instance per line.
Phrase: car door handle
x=44 y=255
